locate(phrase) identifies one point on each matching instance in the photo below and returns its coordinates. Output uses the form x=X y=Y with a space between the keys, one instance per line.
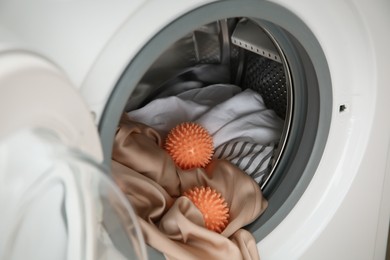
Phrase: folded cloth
x=244 y=131
x=170 y=222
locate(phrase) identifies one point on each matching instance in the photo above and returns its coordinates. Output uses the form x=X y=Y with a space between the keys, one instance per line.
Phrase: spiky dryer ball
x=190 y=145
x=212 y=206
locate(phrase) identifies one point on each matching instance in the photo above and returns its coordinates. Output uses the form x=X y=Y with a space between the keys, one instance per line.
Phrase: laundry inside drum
x=231 y=78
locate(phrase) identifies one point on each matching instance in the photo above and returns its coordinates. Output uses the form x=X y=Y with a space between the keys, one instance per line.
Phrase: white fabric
x=244 y=131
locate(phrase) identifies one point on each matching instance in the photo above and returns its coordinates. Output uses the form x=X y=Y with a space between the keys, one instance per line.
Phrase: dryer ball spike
x=212 y=206
x=190 y=145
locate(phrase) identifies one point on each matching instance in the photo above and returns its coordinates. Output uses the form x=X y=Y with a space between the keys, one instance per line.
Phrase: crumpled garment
x=170 y=222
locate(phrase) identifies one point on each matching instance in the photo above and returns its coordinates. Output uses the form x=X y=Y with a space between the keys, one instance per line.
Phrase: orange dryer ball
x=190 y=145
x=212 y=206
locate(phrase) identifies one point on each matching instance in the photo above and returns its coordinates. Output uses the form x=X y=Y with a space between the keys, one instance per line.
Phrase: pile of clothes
x=244 y=132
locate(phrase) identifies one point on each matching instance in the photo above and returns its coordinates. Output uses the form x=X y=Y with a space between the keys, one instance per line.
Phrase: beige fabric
x=170 y=222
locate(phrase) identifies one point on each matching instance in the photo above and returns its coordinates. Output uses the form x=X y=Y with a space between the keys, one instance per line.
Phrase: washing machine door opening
x=256 y=54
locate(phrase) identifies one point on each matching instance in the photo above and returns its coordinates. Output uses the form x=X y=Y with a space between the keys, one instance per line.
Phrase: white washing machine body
x=342 y=209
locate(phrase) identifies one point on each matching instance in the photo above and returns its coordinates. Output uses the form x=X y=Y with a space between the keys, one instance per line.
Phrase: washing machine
x=69 y=69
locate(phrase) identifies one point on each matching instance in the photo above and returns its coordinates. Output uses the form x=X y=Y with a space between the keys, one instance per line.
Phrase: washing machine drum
x=249 y=82
x=229 y=76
